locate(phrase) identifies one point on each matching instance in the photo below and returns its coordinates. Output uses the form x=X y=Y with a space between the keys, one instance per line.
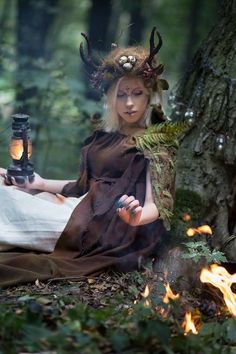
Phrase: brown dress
x=95 y=239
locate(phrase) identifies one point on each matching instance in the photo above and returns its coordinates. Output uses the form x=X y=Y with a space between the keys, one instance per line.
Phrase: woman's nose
x=129 y=101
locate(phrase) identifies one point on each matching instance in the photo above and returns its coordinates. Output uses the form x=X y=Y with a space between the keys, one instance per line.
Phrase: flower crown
x=113 y=67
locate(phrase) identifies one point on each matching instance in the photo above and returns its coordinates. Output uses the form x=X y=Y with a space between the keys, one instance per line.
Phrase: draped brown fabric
x=95 y=239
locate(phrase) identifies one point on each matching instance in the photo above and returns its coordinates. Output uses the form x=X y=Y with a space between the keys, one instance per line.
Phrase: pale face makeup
x=131 y=101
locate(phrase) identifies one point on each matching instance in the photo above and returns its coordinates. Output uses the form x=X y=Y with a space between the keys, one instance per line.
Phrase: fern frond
x=161 y=134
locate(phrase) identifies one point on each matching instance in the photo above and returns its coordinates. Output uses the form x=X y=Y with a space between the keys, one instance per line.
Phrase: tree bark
x=209 y=87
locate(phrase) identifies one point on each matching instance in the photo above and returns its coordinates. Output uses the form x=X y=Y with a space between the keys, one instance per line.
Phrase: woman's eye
x=138 y=93
x=120 y=95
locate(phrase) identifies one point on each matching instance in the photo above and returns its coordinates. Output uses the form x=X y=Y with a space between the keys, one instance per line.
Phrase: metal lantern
x=20 y=150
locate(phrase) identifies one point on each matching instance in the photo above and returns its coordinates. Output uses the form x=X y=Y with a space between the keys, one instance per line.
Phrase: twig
x=70 y=278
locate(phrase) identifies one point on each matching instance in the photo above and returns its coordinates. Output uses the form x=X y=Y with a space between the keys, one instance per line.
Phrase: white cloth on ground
x=30 y=222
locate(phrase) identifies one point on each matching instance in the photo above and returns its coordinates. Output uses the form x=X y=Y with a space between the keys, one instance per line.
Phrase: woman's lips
x=131 y=113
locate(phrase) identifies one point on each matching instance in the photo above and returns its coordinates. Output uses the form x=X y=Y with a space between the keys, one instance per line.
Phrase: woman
x=126 y=179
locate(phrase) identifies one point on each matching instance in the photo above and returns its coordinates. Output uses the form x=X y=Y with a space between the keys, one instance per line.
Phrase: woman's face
x=131 y=100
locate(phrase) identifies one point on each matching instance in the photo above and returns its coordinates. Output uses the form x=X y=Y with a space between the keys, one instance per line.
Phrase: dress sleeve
x=81 y=186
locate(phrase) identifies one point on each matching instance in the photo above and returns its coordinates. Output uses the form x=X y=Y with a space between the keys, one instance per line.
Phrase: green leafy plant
x=199 y=249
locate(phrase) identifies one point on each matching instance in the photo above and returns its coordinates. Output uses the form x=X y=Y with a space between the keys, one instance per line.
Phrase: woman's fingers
x=61 y=198
x=4 y=180
x=3 y=172
x=121 y=202
x=125 y=201
x=132 y=216
x=129 y=209
x=133 y=205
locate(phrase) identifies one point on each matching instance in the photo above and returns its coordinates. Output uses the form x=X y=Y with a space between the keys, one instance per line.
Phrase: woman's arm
x=48 y=185
x=41 y=184
x=132 y=213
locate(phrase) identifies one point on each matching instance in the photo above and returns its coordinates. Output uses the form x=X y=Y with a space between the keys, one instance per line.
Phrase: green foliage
x=165 y=134
x=59 y=118
x=198 y=250
x=58 y=109
x=187 y=201
x=66 y=325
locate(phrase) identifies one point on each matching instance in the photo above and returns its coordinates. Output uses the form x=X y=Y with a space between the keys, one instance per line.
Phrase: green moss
x=186 y=202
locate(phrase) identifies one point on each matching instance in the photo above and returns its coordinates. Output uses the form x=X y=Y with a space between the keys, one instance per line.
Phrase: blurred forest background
x=41 y=72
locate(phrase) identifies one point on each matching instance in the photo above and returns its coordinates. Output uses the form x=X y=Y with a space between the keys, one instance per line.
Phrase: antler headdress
x=134 y=61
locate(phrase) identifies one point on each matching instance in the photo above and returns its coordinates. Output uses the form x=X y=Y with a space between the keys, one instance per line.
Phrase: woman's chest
x=109 y=160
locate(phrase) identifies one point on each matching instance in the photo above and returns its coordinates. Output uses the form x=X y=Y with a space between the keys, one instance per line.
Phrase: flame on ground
x=220 y=278
x=188 y=324
x=204 y=229
x=146 y=292
x=169 y=294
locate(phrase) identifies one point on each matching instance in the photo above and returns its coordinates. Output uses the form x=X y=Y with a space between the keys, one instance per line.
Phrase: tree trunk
x=207 y=156
x=137 y=21
x=34 y=18
x=98 y=25
x=193 y=31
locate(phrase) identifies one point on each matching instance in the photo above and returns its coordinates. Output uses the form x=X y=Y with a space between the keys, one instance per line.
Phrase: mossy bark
x=209 y=87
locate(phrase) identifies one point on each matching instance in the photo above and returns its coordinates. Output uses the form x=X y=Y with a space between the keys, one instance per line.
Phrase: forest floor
x=113 y=313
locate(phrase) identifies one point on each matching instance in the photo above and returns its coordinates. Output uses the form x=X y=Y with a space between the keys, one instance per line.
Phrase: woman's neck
x=131 y=130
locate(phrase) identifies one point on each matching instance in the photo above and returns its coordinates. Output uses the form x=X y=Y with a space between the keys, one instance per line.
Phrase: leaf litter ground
x=109 y=314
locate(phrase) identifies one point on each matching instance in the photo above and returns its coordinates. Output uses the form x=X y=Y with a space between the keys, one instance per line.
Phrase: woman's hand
x=3 y=172
x=2 y=175
x=129 y=210
x=37 y=183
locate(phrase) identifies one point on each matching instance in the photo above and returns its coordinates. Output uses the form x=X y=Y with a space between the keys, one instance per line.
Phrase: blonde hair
x=112 y=122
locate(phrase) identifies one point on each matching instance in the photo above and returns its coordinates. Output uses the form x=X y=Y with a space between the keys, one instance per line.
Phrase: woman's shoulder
x=95 y=135
x=101 y=135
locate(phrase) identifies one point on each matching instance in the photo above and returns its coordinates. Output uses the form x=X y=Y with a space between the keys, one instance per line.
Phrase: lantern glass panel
x=16 y=148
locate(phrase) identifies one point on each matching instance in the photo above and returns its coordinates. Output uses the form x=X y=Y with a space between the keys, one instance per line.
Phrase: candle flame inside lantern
x=188 y=324
x=220 y=278
x=17 y=149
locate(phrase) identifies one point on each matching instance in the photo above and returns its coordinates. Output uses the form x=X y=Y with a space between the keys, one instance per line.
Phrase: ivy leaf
x=231 y=330
x=119 y=340
x=197 y=250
